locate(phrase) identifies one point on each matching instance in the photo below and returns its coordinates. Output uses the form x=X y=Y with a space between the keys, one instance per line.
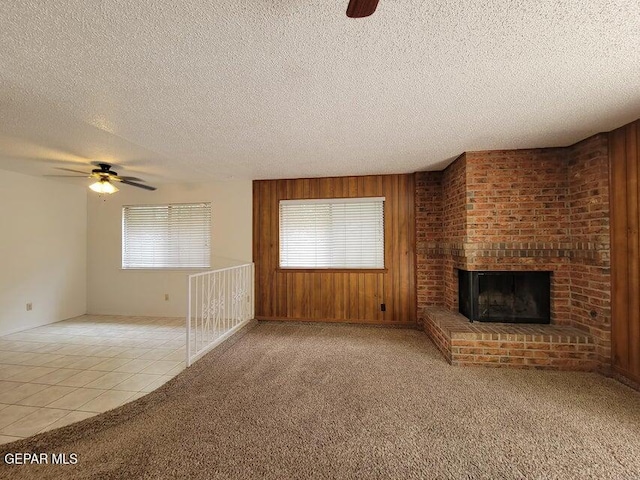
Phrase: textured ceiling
x=197 y=90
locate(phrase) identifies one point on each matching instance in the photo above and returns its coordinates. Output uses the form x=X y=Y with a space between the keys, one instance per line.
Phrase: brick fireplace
x=520 y=210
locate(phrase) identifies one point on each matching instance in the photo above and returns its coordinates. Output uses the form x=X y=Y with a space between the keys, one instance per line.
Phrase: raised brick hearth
x=554 y=347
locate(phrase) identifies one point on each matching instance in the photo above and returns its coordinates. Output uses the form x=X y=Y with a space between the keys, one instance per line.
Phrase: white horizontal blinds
x=190 y=235
x=333 y=233
x=166 y=236
x=144 y=236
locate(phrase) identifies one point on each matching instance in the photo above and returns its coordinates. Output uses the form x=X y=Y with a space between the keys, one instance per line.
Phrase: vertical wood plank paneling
x=327 y=187
x=353 y=297
x=411 y=250
x=353 y=186
x=632 y=243
x=280 y=281
x=395 y=228
x=405 y=243
x=371 y=307
x=381 y=316
x=362 y=298
x=634 y=326
x=624 y=160
x=306 y=188
x=336 y=296
x=274 y=247
x=390 y=240
x=298 y=300
x=315 y=295
x=314 y=191
x=257 y=241
x=307 y=295
x=619 y=267
x=345 y=186
x=327 y=304
x=265 y=249
x=290 y=294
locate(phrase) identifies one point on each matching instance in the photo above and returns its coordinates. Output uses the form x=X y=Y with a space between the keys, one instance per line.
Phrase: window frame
x=383 y=269
x=166 y=268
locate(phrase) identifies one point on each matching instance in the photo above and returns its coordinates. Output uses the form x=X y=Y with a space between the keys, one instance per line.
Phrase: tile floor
x=67 y=371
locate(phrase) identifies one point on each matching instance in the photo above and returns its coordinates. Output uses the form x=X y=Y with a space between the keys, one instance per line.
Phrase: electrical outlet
x=166 y=297
x=29 y=306
x=383 y=307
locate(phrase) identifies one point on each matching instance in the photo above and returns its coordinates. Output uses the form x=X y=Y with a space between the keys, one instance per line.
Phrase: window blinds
x=332 y=233
x=166 y=236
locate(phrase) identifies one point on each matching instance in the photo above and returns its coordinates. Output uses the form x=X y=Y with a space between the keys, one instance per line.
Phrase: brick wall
x=454 y=226
x=440 y=233
x=454 y=188
x=517 y=196
x=428 y=212
x=588 y=173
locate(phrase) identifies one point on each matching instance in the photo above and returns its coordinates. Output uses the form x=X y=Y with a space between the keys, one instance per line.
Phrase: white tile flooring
x=67 y=371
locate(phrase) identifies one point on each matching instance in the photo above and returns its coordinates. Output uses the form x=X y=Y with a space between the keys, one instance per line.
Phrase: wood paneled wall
x=337 y=296
x=624 y=160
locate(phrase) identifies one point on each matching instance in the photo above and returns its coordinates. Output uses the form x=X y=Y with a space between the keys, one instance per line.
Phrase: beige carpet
x=320 y=401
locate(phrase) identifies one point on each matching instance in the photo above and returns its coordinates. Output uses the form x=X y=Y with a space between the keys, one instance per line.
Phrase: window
x=332 y=233
x=166 y=236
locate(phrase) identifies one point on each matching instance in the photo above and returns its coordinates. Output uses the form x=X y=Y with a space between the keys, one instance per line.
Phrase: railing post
x=188 y=320
x=253 y=291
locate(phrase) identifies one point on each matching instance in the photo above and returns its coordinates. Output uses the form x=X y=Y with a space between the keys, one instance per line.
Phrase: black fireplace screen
x=514 y=297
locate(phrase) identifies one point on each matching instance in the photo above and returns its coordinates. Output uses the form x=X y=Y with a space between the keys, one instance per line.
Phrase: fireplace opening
x=513 y=297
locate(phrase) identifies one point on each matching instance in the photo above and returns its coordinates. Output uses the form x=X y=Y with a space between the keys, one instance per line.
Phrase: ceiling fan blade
x=72 y=170
x=68 y=176
x=361 y=8
x=119 y=178
x=131 y=179
x=139 y=185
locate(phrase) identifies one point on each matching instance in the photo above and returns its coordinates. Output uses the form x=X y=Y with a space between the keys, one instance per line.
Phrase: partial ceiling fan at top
x=361 y=8
x=105 y=178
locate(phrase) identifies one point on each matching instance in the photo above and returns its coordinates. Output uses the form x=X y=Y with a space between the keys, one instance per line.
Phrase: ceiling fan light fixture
x=103 y=186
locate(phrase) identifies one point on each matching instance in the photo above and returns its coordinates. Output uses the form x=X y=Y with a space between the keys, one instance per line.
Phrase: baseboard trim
x=623 y=377
x=338 y=321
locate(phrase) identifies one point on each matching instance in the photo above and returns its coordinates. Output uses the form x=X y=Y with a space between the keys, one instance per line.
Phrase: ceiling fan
x=361 y=8
x=105 y=178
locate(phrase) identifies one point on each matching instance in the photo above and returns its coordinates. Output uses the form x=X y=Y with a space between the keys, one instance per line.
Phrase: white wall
x=43 y=241
x=114 y=291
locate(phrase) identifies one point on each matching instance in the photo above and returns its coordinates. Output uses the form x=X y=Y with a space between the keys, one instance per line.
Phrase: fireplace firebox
x=513 y=297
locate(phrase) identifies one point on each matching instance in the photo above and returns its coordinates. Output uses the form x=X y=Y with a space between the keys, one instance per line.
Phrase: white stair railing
x=220 y=302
